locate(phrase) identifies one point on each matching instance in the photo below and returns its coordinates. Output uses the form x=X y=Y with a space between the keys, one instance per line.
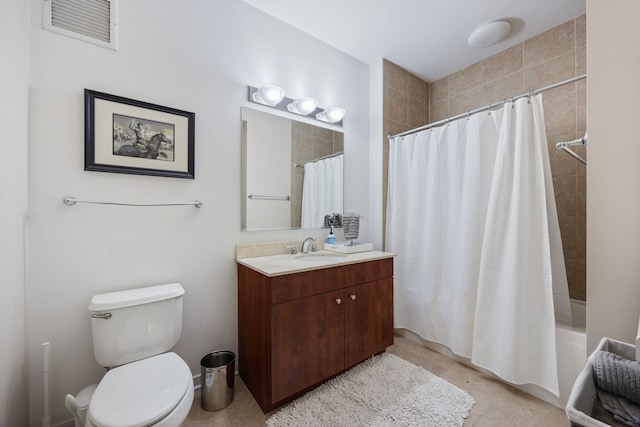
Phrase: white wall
x=268 y=169
x=14 y=113
x=613 y=175
x=196 y=56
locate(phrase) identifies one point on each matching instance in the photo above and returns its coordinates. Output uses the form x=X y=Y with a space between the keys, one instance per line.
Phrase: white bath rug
x=382 y=391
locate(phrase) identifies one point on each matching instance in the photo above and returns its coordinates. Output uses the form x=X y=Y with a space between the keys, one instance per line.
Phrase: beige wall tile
x=581 y=112
x=417 y=112
x=503 y=88
x=439 y=90
x=397 y=105
x=565 y=189
x=568 y=233
x=465 y=101
x=465 y=80
x=438 y=111
x=322 y=147
x=581 y=61
x=548 y=45
x=581 y=195
x=581 y=31
x=303 y=145
x=417 y=88
x=572 y=279
x=581 y=237
x=560 y=115
x=392 y=127
x=395 y=76
x=562 y=164
x=338 y=142
x=580 y=287
x=582 y=152
x=503 y=63
x=553 y=71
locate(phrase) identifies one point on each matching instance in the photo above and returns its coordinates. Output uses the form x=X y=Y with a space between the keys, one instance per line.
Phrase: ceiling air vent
x=93 y=21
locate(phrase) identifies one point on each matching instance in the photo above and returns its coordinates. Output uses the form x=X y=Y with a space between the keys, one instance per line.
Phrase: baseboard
x=67 y=423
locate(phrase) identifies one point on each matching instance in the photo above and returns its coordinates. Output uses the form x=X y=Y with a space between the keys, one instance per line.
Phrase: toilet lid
x=139 y=394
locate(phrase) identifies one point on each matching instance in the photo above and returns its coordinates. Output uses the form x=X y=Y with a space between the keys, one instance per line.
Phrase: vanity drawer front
x=300 y=285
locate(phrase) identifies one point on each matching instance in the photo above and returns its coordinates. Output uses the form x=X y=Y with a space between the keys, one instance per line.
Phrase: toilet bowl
x=145 y=385
x=157 y=391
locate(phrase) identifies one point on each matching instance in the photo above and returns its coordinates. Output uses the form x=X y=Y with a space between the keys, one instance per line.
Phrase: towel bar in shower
x=256 y=196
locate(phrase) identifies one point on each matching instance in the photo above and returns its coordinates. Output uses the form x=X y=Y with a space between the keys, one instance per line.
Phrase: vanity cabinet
x=297 y=330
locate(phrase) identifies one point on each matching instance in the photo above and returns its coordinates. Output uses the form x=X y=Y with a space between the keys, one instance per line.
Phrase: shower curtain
x=321 y=191
x=471 y=214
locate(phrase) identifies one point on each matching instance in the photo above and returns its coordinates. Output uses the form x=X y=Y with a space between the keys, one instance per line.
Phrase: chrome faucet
x=305 y=245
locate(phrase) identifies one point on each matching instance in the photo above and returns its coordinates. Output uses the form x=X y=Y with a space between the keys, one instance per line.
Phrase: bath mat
x=384 y=390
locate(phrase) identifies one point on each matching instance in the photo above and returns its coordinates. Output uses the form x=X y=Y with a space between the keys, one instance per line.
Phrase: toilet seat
x=140 y=393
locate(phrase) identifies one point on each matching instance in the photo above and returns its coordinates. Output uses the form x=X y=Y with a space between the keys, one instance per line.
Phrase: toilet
x=146 y=385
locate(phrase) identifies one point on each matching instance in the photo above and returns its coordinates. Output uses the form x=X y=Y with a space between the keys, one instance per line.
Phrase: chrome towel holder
x=71 y=200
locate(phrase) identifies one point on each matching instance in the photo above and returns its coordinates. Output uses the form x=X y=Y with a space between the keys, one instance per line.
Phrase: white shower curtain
x=321 y=191
x=471 y=215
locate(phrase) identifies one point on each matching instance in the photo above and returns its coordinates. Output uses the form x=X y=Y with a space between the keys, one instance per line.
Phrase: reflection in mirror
x=282 y=159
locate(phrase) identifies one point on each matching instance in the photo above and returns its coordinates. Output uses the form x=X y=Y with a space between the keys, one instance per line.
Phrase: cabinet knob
x=353 y=297
x=338 y=300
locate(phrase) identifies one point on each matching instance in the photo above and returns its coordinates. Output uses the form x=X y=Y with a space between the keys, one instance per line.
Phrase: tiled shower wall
x=550 y=57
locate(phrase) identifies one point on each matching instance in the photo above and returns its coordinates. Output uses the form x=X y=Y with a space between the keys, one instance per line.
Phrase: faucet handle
x=293 y=248
x=314 y=247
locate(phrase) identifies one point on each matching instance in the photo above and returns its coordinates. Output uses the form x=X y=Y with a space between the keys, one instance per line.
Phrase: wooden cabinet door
x=368 y=320
x=307 y=342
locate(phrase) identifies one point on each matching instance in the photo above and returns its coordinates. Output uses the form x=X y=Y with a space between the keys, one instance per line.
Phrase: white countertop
x=278 y=265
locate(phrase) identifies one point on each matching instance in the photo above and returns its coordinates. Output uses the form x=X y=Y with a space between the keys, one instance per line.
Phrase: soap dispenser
x=331 y=238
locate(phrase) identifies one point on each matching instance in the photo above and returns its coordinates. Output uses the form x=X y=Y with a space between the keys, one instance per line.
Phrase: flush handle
x=105 y=316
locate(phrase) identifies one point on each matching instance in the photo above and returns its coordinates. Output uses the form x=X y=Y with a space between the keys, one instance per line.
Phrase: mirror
x=276 y=152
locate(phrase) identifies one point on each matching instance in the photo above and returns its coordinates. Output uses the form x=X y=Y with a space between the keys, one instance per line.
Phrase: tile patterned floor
x=497 y=404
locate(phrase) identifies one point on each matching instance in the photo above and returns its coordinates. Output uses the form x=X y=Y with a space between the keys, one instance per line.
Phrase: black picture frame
x=123 y=135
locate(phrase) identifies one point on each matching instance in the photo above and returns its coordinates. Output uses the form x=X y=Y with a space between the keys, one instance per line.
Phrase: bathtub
x=571 y=349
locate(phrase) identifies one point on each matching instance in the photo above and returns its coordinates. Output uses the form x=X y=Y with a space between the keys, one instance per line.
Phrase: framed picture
x=127 y=136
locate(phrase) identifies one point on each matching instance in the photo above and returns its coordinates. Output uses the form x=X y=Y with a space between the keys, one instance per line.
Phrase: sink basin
x=321 y=257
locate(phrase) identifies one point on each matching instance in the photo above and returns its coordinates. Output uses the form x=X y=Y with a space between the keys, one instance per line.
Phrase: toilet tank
x=135 y=324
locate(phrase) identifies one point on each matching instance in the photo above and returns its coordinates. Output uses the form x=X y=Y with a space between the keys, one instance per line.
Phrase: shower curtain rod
x=298 y=165
x=488 y=107
x=564 y=146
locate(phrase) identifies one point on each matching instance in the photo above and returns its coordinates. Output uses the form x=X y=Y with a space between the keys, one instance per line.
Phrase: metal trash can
x=217 y=376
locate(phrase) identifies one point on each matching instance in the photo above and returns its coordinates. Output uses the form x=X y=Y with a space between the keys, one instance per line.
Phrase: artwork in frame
x=123 y=135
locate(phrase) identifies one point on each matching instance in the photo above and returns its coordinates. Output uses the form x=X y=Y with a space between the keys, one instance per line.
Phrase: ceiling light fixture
x=303 y=106
x=489 y=34
x=268 y=95
x=331 y=115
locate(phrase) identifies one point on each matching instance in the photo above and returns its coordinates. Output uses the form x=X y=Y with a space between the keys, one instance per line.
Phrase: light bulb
x=269 y=95
x=303 y=106
x=331 y=115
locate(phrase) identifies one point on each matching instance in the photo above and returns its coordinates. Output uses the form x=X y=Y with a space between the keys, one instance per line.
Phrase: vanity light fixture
x=331 y=115
x=489 y=34
x=303 y=106
x=274 y=97
x=269 y=95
